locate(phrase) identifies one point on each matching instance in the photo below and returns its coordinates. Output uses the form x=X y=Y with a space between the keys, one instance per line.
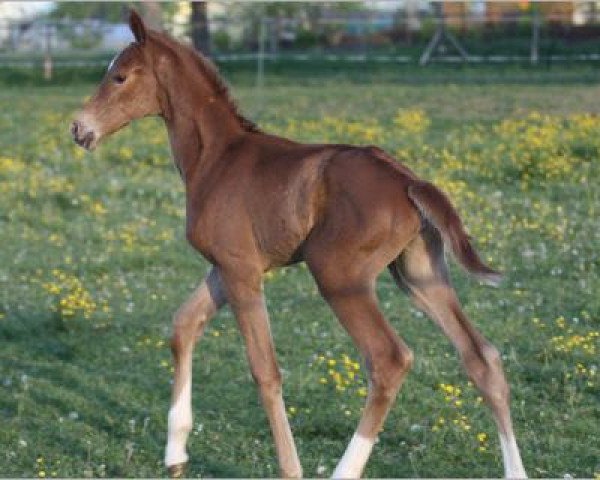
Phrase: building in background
x=393 y=27
x=575 y=12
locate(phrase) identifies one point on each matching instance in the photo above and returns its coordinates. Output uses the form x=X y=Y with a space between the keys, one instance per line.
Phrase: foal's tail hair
x=435 y=206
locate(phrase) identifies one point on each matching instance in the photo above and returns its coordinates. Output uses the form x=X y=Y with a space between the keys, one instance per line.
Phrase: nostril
x=83 y=135
x=88 y=139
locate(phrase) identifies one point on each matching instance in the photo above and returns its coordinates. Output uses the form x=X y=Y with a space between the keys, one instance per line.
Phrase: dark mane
x=211 y=74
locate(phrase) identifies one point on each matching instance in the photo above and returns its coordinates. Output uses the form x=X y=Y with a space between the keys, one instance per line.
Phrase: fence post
x=260 y=60
x=48 y=53
x=535 y=38
x=260 y=73
x=273 y=29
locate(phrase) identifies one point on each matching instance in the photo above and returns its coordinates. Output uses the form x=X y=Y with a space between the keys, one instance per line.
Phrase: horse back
x=269 y=194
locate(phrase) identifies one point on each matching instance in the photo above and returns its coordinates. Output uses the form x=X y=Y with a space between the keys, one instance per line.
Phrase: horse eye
x=119 y=79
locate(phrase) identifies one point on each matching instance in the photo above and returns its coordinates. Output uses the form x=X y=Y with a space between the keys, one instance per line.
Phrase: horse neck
x=201 y=125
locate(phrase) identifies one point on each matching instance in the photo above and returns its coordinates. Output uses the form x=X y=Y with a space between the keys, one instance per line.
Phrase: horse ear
x=136 y=24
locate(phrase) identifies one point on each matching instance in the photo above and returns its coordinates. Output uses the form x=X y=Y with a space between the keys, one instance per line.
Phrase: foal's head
x=148 y=78
x=129 y=90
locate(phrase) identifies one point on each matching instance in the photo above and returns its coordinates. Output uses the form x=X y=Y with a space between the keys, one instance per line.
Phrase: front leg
x=188 y=326
x=244 y=293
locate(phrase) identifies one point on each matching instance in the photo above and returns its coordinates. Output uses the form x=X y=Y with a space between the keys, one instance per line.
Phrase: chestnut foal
x=256 y=202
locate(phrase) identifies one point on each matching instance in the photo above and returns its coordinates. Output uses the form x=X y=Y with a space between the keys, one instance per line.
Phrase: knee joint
x=408 y=358
x=187 y=315
x=185 y=327
x=269 y=382
x=401 y=358
x=491 y=355
x=485 y=369
x=387 y=372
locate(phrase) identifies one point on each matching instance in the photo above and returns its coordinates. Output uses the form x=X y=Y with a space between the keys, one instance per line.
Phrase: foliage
x=96 y=241
x=109 y=11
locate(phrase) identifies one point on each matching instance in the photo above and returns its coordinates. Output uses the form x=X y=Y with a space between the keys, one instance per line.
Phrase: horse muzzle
x=82 y=136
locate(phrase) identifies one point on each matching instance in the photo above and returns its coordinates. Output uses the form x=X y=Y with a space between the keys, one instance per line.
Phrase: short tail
x=435 y=206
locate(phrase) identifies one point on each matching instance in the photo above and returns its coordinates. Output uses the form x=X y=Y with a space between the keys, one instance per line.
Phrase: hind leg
x=387 y=358
x=422 y=270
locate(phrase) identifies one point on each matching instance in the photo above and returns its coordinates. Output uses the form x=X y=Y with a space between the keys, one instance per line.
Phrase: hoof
x=177 y=471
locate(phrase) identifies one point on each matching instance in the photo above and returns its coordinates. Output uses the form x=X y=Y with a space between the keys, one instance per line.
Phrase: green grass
x=88 y=396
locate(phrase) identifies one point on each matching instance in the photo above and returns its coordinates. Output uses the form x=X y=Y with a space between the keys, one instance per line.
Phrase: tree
x=308 y=16
x=112 y=12
x=200 y=33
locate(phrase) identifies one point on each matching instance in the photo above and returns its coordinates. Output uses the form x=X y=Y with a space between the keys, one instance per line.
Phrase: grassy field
x=94 y=261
